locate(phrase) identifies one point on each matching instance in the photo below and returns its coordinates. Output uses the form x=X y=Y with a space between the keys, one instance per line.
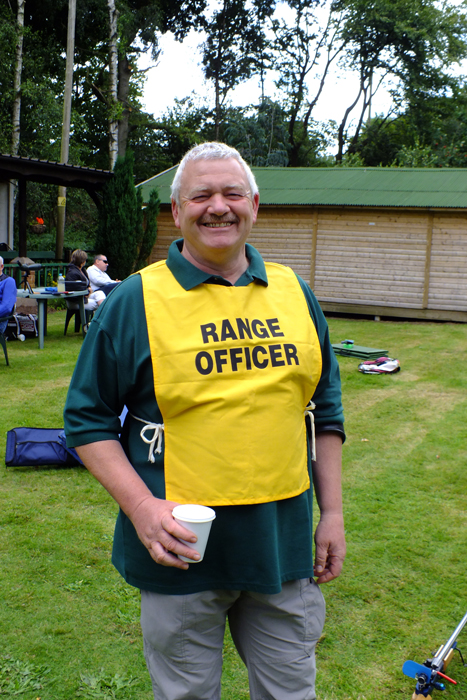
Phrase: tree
x=412 y=41
x=17 y=79
x=120 y=228
x=149 y=231
x=139 y=24
x=162 y=143
x=431 y=131
x=235 y=47
x=113 y=70
x=381 y=139
x=304 y=49
x=261 y=136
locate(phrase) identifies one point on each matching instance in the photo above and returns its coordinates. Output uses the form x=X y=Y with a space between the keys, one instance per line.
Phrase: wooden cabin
x=375 y=241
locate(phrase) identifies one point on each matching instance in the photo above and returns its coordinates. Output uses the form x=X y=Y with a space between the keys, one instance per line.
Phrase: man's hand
x=329 y=548
x=329 y=535
x=152 y=517
x=160 y=533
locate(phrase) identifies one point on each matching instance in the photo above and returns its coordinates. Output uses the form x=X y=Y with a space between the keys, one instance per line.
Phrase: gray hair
x=212 y=150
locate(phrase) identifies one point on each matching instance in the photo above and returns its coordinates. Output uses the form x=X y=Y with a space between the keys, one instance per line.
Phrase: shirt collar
x=190 y=276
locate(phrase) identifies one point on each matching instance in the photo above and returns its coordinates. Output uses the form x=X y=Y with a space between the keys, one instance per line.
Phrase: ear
x=255 y=204
x=175 y=213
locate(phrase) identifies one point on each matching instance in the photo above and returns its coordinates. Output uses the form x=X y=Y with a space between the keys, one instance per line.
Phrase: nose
x=218 y=205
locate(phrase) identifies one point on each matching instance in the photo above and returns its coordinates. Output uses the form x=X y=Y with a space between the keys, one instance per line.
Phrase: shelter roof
x=49 y=172
x=444 y=188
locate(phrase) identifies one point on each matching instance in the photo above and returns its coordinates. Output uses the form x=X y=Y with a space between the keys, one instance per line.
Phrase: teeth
x=223 y=224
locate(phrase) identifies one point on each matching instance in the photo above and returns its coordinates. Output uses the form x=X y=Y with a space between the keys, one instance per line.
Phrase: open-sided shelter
x=376 y=241
x=24 y=170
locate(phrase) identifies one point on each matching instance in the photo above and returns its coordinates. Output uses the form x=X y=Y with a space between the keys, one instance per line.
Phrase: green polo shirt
x=255 y=547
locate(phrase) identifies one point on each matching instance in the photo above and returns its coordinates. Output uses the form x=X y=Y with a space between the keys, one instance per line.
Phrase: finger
x=330 y=571
x=179 y=531
x=165 y=558
x=167 y=548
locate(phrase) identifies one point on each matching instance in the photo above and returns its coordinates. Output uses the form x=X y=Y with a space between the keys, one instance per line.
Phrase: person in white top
x=98 y=276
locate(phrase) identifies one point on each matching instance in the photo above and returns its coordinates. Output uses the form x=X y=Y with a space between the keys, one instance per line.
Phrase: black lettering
x=247 y=358
x=256 y=362
x=291 y=353
x=273 y=325
x=244 y=327
x=209 y=329
x=209 y=363
x=227 y=330
x=236 y=357
x=259 y=328
x=220 y=356
x=276 y=353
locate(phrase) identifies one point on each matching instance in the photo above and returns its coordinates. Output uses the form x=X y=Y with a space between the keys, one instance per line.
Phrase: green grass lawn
x=69 y=625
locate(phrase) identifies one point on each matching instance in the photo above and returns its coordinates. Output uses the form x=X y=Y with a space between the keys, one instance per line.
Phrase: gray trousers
x=275 y=636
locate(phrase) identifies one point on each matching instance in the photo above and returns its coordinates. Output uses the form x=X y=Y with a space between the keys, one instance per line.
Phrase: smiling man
x=219 y=357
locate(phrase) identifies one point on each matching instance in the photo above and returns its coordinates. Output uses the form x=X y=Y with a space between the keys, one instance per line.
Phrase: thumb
x=321 y=557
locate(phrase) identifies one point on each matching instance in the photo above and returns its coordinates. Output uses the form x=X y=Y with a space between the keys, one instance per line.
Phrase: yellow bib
x=234 y=368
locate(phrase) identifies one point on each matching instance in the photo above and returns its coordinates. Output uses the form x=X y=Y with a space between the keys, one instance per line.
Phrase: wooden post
x=22 y=217
x=314 y=241
x=429 y=238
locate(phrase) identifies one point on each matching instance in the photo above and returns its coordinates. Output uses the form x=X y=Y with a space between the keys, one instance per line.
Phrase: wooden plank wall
x=371 y=257
x=448 y=269
x=284 y=235
x=407 y=259
x=166 y=233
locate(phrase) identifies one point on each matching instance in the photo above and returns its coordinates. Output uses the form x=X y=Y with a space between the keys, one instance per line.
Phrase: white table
x=41 y=296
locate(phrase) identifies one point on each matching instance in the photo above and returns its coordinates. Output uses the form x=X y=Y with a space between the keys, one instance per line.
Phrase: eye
x=235 y=195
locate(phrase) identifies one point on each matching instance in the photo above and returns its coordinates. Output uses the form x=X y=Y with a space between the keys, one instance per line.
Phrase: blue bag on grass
x=37 y=447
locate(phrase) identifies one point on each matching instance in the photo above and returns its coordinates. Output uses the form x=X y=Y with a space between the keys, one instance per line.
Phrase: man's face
x=216 y=210
x=102 y=264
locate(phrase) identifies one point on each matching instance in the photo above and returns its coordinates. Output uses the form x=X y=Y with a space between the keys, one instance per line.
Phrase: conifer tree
x=121 y=219
x=149 y=232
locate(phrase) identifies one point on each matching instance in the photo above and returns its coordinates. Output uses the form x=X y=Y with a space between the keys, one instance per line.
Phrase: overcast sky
x=178 y=73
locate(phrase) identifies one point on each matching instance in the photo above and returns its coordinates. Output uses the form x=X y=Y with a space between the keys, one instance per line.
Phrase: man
x=7 y=296
x=98 y=276
x=216 y=356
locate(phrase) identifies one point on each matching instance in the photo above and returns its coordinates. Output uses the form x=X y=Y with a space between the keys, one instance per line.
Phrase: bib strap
x=154 y=442
x=308 y=412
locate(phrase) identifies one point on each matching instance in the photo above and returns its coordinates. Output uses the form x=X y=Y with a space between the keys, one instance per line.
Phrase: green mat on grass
x=352 y=350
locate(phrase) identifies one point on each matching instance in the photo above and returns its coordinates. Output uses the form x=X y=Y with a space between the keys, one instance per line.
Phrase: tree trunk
x=341 y=130
x=124 y=75
x=113 y=69
x=64 y=149
x=17 y=79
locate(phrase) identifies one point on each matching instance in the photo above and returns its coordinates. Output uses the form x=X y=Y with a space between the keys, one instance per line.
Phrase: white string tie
x=154 y=442
x=308 y=412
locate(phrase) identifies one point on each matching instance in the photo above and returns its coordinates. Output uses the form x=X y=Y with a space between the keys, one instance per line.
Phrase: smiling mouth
x=218 y=224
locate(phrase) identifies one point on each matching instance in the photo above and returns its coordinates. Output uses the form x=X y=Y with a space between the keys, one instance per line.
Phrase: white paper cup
x=198 y=519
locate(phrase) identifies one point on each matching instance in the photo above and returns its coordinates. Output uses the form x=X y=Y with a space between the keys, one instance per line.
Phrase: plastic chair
x=72 y=309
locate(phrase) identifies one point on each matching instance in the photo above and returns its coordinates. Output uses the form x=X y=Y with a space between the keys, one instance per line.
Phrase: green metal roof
x=364 y=187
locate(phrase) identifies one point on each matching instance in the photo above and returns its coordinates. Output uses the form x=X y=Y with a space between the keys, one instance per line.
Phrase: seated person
x=77 y=273
x=98 y=276
x=7 y=296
